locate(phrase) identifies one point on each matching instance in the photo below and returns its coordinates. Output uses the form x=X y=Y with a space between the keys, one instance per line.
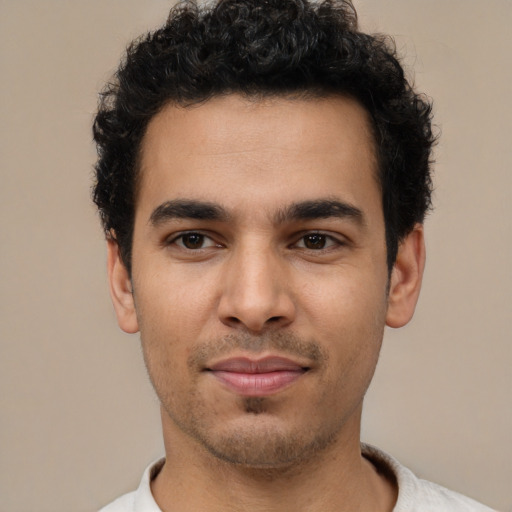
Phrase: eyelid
x=337 y=239
x=172 y=239
x=333 y=239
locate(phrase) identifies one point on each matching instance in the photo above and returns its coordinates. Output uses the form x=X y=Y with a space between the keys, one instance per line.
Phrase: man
x=263 y=177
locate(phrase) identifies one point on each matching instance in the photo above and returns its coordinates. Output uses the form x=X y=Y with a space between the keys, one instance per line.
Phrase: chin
x=259 y=441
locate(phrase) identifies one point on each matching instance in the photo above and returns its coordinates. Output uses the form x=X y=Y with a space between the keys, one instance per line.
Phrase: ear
x=121 y=289
x=405 y=282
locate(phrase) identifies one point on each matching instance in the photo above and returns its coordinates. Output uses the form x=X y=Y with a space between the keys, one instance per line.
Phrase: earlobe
x=406 y=277
x=121 y=289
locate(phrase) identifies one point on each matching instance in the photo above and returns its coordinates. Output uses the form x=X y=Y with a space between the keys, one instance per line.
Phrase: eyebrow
x=303 y=210
x=187 y=209
x=320 y=209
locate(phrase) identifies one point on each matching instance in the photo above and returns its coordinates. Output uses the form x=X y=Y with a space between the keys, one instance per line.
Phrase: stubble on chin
x=260 y=444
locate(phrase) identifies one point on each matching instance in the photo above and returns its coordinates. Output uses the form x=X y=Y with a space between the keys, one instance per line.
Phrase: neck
x=338 y=479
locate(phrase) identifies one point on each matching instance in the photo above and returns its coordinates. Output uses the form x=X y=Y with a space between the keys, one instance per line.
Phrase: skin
x=259 y=281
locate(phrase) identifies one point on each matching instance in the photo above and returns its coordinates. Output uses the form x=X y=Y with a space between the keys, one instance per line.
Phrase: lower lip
x=257 y=384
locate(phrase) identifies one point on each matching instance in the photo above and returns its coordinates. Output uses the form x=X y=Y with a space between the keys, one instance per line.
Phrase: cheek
x=166 y=339
x=172 y=302
x=346 y=301
x=348 y=317
x=172 y=313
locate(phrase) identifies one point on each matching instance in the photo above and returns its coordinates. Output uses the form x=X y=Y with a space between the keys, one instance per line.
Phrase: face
x=259 y=277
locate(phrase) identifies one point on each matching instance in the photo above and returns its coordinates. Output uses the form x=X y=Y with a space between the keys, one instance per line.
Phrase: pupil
x=193 y=241
x=315 y=241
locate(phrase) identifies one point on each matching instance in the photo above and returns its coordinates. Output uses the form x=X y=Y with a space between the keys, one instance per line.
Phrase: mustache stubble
x=288 y=344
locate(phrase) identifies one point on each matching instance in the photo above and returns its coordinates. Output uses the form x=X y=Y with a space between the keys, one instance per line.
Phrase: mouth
x=257 y=377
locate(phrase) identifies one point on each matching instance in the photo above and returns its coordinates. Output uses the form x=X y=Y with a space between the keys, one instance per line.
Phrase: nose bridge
x=255 y=292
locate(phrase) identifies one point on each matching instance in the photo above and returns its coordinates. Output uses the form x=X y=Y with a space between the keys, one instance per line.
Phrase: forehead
x=222 y=148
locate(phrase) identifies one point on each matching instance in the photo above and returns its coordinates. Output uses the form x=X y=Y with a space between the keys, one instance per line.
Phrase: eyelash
x=328 y=241
x=175 y=240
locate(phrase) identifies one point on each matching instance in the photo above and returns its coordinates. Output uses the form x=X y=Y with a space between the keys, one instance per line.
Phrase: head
x=263 y=167
x=287 y=48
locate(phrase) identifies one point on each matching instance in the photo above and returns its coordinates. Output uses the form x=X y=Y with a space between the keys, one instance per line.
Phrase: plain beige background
x=78 y=420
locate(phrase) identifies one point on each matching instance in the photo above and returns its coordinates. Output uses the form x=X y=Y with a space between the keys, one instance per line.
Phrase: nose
x=256 y=292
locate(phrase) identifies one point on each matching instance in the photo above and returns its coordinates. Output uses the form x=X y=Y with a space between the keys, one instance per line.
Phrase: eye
x=193 y=241
x=316 y=241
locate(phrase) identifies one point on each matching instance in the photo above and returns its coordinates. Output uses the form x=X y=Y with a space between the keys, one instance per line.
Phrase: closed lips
x=262 y=377
x=266 y=365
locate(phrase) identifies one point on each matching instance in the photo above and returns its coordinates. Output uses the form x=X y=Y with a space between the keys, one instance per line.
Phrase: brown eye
x=192 y=240
x=314 y=241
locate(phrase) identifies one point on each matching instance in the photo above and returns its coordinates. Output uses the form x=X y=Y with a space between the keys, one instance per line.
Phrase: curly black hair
x=260 y=48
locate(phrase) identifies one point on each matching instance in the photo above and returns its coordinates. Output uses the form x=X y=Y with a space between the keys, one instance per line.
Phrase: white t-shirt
x=414 y=494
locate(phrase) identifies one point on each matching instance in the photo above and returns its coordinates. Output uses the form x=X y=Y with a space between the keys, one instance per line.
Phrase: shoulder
x=140 y=500
x=125 y=503
x=418 y=495
x=431 y=495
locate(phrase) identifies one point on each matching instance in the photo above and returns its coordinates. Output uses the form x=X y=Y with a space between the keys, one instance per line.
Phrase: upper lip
x=264 y=365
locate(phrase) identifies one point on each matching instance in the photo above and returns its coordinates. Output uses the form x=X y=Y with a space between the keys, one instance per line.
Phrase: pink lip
x=248 y=377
